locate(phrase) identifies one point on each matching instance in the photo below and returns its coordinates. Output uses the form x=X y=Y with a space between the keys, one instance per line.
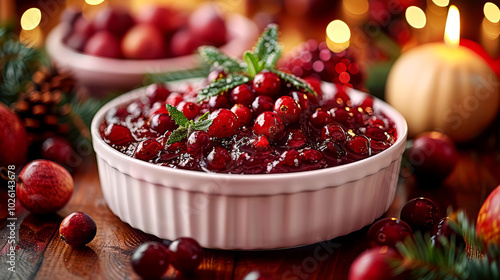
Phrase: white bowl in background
x=247 y=211
x=107 y=74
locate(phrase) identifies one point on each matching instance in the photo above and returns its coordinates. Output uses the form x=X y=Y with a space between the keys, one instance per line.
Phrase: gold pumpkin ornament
x=449 y=89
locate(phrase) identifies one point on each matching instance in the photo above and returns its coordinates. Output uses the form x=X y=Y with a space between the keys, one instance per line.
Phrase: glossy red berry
x=174 y=99
x=157 y=92
x=359 y=144
x=224 y=123
x=59 y=149
x=77 y=229
x=266 y=83
x=295 y=139
x=218 y=158
x=243 y=114
x=288 y=109
x=261 y=143
x=420 y=213
x=270 y=125
x=388 y=232
x=256 y=275
x=243 y=94
x=311 y=155
x=148 y=149
x=375 y=264
x=218 y=102
x=262 y=104
x=291 y=158
x=215 y=75
x=150 y=260
x=189 y=109
x=333 y=132
x=198 y=142
x=433 y=154
x=162 y=123
x=301 y=98
x=185 y=254
x=320 y=118
x=116 y=134
x=443 y=229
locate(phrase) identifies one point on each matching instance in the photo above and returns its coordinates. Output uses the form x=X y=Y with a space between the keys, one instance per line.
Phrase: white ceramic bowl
x=102 y=74
x=266 y=211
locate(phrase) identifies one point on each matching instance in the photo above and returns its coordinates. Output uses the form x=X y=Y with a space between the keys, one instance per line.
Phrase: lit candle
x=445 y=87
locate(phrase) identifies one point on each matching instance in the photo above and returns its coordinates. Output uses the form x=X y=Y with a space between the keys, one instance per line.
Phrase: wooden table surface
x=41 y=254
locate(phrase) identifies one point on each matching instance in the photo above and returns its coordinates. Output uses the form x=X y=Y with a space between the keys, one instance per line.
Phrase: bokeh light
x=441 y=3
x=31 y=18
x=338 y=35
x=356 y=7
x=94 y=2
x=491 y=12
x=415 y=17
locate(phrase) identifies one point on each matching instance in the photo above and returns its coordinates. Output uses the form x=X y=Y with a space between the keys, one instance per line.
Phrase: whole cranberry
x=103 y=43
x=320 y=118
x=224 y=123
x=207 y=24
x=433 y=154
x=190 y=109
x=44 y=187
x=215 y=75
x=243 y=94
x=150 y=260
x=143 y=41
x=301 y=98
x=262 y=104
x=443 y=228
x=198 y=142
x=59 y=150
x=334 y=132
x=162 y=123
x=157 y=92
x=311 y=155
x=185 y=254
x=291 y=158
x=243 y=114
x=167 y=18
x=295 y=139
x=256 y=275
x=270 y=125
x=13 y=138
x=218 y=158
x=175 y=98
x=114 y=20
x=359 y=144
x=288 y=109
x=218 y=102
x=77 y=229
x=375 y=264
x=148 y=149
x=420 y=213
x=183 y=42
x=388 y=232
x=261 y=143
x=266 y=83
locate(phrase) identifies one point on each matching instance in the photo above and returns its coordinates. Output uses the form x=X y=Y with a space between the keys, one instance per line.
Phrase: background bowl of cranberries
x=114 y=49
x=293 y=173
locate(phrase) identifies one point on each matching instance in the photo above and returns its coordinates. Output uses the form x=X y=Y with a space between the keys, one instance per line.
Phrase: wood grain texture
x=41 y=254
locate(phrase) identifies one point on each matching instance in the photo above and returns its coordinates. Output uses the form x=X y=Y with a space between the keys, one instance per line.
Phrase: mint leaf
x=267 y=50
x=222 y=85
x=177 y=135
x=202 y=125
x=204 y=117
x=216 y=58
x=253 y=65
x=177 y=116
x=295 y=81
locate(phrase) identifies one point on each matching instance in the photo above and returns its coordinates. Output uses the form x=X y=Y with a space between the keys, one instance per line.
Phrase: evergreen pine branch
x=156 y=78
x=267 y=48
x=216 y=58
x=222 y=85
x=295 y=81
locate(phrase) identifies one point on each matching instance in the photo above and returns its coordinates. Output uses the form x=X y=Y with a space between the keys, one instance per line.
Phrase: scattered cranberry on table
x=150 y=260
x=44 y=187
x=77 y=229
x=374 y=264
x=421 y=214
x=256 y=275
x=185 y=254
x=388 y=232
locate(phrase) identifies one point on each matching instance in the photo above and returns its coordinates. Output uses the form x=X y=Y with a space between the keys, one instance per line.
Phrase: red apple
x=184 y=43
x=433 y=155
x=488 y=219
x=13 y=138
x=44 y=187
x=143 y=41
x=83 y=27
x=103 y=43
x=375 y=264
x=165 y=18
x=114 y=20
x=207 y=25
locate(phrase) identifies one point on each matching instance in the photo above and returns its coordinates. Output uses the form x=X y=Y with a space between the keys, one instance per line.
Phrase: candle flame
x=452 y=29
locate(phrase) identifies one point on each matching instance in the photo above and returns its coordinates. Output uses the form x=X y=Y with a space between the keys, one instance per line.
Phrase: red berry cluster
x=313 y=59
x=263 y=126
x=151 y=259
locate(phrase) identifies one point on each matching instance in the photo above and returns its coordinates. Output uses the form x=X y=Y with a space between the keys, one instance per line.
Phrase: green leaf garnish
x=216 y=58
x=186 y=127
x=222 y=85
x=295 y=81
x=264 y=56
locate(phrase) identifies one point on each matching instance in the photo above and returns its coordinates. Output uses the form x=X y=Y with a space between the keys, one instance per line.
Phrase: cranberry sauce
x=264 y=126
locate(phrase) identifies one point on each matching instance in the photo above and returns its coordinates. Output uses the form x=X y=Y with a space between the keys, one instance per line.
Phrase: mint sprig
x=186 y=127
x=264 y=56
